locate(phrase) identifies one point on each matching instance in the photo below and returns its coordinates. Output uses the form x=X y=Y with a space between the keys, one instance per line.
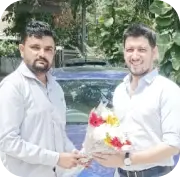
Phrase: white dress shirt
x=151 y=115
x=32 y=124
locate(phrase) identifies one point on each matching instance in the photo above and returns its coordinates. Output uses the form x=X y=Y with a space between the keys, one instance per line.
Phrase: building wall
x=8 y=65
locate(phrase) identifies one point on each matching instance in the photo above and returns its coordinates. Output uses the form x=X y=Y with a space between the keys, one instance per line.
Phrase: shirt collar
x=28 y=73
x=148 y=78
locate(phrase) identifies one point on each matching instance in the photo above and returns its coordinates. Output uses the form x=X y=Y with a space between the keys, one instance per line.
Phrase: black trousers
x=157 y=171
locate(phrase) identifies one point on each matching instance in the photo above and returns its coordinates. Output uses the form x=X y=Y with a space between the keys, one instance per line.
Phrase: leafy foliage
x=65 y=26
x=111 y=19
x=168 y=26
x=106 y=21
x=76 y=5
x=8 y=49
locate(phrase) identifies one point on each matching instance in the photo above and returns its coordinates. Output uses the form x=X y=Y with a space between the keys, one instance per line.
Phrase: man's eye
x=142 y=50
x=35 y=47
x=48 y=50
x=129 y=50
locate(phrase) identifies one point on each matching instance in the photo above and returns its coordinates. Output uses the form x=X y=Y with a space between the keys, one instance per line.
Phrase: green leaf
x=166 y=69
x=164 y=44
x=159 y=7
x=109 y=22
x=108 y=2
x=101 y=19
x=177 y=38
x=175 y=54
x=176 y=64
x=178 y=79
x=118 y=9
x=163 y=48
x=173 y=76
x=105 y=33
x=164 y=38
x=164 y=21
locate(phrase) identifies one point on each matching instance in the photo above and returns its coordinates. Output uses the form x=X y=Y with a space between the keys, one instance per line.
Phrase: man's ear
x=155 y=53
x=21 y=50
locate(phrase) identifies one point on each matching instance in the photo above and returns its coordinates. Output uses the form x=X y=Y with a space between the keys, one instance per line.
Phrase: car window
x=83 y=95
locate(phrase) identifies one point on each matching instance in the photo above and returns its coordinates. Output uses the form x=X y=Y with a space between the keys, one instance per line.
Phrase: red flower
x=116 y=143
x=127 y=142
x=95 y=120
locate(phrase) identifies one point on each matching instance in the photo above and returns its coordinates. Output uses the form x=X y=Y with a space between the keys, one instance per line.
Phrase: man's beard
x=44 y=68
x=140 y=73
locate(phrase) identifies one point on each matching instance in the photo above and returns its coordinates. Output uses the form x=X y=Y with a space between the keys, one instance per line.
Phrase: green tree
x=62 y=21
x=111 y=19
x=168 y=27
x=8 y=49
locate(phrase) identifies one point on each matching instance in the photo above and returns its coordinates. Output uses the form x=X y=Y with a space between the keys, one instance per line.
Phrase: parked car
x=85 y=87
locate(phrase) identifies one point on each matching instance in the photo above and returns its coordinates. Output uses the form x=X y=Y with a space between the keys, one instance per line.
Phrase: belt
x=151 y=172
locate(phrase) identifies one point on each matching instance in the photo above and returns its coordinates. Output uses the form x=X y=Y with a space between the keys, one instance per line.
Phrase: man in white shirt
x=33 y=141
x=147 y=105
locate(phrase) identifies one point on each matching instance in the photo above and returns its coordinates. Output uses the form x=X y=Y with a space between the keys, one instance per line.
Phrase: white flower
x=99 y=133
x=117 y=132
x=106 y=113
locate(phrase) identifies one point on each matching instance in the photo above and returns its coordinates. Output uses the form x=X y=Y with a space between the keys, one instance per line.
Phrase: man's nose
x=41 y=52
x=135 y=55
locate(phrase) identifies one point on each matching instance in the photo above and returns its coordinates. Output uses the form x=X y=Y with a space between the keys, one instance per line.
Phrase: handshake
x=68 y=160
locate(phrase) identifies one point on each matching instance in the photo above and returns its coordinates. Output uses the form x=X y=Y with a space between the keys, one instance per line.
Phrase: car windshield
x=83 y=95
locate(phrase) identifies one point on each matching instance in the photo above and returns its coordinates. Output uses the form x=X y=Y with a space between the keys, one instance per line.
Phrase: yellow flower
x=112 y=120
x=107 y=140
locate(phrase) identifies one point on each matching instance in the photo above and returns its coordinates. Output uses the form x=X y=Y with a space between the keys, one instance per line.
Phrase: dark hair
x=137 y=30
x=37 y=29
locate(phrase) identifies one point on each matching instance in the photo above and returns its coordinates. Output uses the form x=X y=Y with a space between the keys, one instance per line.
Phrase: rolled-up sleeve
x=11 y=118
x=170 y=115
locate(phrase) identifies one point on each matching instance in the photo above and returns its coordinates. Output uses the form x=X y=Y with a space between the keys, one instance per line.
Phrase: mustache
x=42 y=59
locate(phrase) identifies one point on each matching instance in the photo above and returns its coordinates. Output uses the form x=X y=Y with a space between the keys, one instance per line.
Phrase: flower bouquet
x=104 y=133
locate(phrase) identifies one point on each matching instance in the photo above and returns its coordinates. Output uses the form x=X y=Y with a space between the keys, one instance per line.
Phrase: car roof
x=89 y=73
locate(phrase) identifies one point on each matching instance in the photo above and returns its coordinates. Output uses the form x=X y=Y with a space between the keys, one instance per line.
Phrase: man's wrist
x=137 y=158
x=127 y=159
x=133 y=157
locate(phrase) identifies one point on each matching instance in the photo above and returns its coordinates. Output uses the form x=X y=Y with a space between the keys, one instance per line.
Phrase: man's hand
x=84 y=164
x=110 y=160
x=68 y=160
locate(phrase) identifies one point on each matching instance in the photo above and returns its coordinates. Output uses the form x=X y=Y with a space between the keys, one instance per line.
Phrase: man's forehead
x=142 y=41
x=46 y=40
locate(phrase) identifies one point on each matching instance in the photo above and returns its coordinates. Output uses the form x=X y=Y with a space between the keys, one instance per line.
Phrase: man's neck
x=42 y=77
x=134 y=82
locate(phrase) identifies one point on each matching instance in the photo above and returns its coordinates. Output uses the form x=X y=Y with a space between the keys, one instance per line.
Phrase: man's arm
x=155 y=154
x=170 y=125
x=11 y=118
